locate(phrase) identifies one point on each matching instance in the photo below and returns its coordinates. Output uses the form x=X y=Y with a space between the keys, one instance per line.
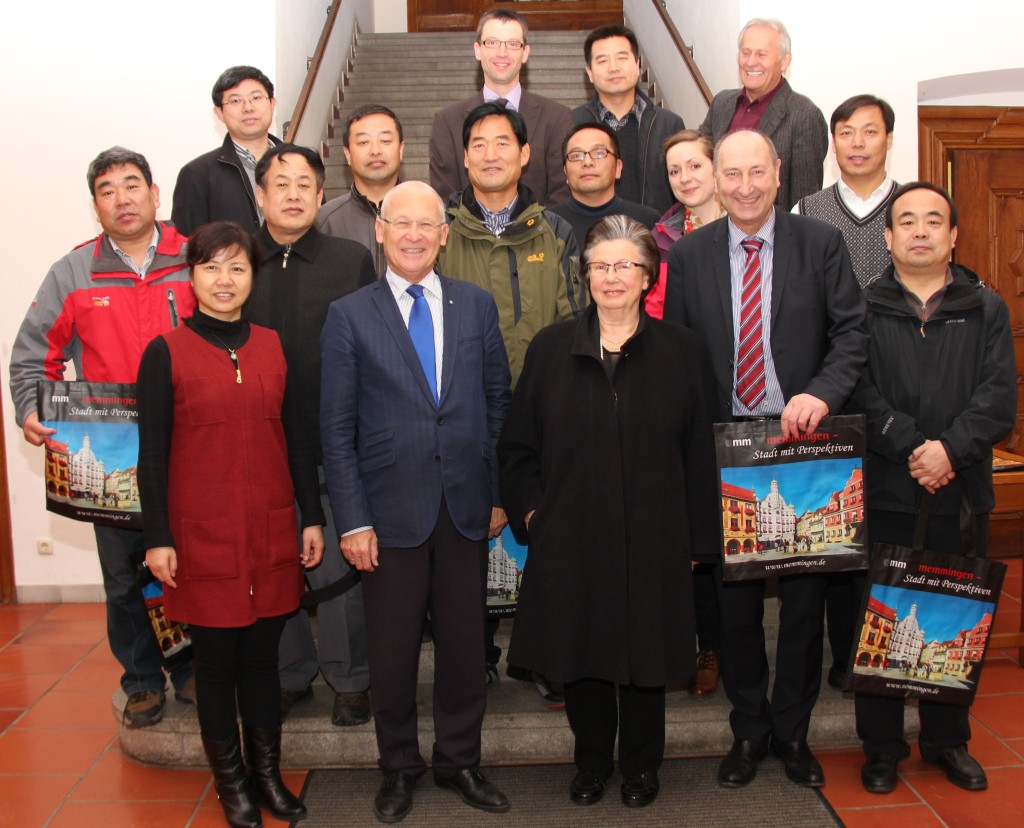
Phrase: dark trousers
x=595 y=716
x=880 y=719
x=446 y=576
x=705 y=601
x=798 y=661
x=237 y=662
x=129 y=630
x=841 y=607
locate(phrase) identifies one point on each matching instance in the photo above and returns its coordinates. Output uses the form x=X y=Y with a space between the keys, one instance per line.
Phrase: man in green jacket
x=503 y=240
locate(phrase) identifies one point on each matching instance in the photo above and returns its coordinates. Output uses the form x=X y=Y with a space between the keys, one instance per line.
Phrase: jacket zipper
x=173 y=307
x=284 y=261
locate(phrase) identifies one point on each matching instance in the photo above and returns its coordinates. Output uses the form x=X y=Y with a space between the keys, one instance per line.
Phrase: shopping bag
x=791 y=504
x=91 y=461
x=506 y=558
x=925 y=621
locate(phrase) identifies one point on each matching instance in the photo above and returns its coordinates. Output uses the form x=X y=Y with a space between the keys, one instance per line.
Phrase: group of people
x=541 y=337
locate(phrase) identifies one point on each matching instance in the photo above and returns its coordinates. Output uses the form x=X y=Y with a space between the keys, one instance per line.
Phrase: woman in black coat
x=607 y=470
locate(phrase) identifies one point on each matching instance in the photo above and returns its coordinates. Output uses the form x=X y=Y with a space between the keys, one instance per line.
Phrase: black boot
x=263 y=752
x=240 y=808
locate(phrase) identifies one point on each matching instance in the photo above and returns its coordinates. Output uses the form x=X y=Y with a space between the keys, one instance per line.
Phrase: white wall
x=81 y=77
x=299 y=24
x=391 y=15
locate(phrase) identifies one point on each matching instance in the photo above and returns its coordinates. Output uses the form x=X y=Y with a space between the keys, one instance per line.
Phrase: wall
x=391 y=15
x=299 y=23
x=82 y=77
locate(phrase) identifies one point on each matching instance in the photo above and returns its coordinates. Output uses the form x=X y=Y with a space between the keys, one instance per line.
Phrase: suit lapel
x=451 y=310
x=780 y=260
x=776 y=111
x=384 y=299
x=723 y=274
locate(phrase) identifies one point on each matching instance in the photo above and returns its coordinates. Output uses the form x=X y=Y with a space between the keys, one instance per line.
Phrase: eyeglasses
x=405 y=225
x=621 y=268
x=494 y=43
x=254 y=99
x=598 y=154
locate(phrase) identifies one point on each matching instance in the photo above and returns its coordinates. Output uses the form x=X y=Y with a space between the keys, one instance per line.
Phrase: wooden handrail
x=684 y=51
x=311 y=72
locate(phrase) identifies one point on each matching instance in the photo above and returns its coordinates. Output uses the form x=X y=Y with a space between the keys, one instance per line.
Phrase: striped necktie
x=750 y=384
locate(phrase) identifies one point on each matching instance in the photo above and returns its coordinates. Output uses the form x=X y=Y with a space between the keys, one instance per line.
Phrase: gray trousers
x=341 y=655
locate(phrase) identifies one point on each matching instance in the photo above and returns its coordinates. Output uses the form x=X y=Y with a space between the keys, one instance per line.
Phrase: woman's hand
x=163 y=563
x=312 y=546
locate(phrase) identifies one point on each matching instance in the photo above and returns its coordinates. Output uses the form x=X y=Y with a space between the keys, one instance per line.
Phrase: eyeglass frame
x=255 y=99
x=421 y=226
x=588 y=153
x=508 y=44
x=618 y=267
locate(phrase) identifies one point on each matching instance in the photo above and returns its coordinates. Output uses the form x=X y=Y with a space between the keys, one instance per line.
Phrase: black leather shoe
x=351 y=709
x=475 y=790
x=879 y=773
x=394 y=799
x=586 y=788
x=290 y=698
x=960 y=767
x=739 y=766
x=837 y=677
x=640 y=789
x=801 y=766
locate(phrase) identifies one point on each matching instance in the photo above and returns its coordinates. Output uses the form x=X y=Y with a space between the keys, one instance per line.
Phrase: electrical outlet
x=44 y=546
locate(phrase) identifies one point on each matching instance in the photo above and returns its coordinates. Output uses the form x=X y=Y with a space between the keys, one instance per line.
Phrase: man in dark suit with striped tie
x=775 y=299
x=414 y=392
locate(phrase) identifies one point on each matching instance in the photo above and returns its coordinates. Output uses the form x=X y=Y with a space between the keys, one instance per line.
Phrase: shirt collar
x=605 y=115
x=431 y=283
x=877 y=195
x=766 y=232
x=154 y=240
x=513 y=98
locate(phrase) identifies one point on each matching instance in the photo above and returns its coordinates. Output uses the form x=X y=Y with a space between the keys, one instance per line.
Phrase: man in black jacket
x=940 y=388
x=221 y=185
x=613 y=66
x=302 y=272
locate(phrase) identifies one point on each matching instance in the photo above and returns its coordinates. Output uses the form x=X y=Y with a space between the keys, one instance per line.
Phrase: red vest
x=231 y=501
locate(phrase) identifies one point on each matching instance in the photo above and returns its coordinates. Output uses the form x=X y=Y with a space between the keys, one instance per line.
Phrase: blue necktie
x=421 y=329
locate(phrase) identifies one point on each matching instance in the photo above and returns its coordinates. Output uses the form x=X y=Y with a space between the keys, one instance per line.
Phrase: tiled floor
x=60 y=765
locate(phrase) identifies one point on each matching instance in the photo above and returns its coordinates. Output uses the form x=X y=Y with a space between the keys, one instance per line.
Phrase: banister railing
x=311 y=73
x=684 y=51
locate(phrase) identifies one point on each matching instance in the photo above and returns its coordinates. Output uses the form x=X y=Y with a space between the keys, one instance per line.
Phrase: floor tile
x=1017 y=745
x=8 y=717
x=59 y=633
x=990 y=750
x=1000 y=806
x=1000 y=714
x=30 y=800
x=78 y=612
x=92 y=674
x=16 y=617
x=843 y=787
x=50 y=751
x=897 y=816
x=124 y=814
x=24 y=691
x=72 y=710
x=1001 y=675
x=22 y=659
x=116 y=777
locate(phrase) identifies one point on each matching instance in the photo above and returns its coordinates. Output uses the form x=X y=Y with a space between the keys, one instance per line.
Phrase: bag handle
x=968 y=524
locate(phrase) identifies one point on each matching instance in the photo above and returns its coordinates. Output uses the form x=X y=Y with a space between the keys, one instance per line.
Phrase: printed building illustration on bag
x=888 y=642
x=81 y=476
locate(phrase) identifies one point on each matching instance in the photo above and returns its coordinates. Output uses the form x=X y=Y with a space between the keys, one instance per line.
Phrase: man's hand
x=528 y=518
x=312 y=546
x=802 y=415
x=930 y=467
x=163 y=563
x=35 y=432
x=360 y=550
x=498 y=522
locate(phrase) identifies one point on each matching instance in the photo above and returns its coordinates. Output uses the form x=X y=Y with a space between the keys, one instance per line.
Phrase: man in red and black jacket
x=99 y=306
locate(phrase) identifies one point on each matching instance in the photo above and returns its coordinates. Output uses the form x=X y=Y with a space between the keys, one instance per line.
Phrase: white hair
x=785 y=44
x=413 y=185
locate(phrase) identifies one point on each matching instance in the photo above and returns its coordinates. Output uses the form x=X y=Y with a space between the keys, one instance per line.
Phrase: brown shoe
x=144 y=708
x=706 y=680
x=351 y=709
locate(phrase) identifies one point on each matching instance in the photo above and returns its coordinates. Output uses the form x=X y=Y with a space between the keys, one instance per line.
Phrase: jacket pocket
x=209 y=549
x=273 y=394
x=282 y=534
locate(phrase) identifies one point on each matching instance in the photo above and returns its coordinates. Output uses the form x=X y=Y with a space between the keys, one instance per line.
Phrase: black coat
x=621 y=473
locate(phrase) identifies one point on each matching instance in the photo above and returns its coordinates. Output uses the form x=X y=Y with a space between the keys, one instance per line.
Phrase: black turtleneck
x=156 y=423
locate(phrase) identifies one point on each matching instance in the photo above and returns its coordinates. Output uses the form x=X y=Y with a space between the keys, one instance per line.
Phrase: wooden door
x=445 y=15
x=977 y=153
x=540 y=15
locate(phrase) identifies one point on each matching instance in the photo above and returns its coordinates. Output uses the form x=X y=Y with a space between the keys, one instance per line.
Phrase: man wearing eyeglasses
x=221 y=185
x=613 y=66
x=593 y=165
x=501 y=47
x=302 y=272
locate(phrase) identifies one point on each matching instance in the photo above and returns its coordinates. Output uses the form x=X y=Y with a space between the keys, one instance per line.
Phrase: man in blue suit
x=415 y=388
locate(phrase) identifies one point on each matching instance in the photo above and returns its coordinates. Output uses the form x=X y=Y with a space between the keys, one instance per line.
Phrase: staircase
x=418 y=74
x=519 y=727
